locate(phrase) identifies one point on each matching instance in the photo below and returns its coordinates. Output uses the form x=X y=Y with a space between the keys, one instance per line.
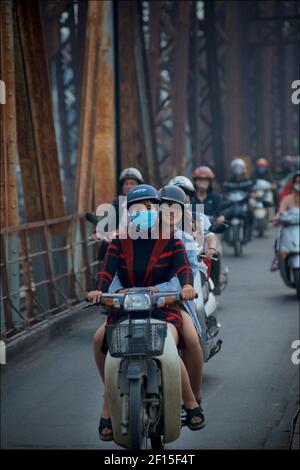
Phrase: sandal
x=105 y=423
x=195 y=412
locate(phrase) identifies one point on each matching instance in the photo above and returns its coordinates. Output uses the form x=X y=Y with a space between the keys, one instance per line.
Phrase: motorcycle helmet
x=238 y=166
x=141 y=193
x=203 y=172
x=131 y=173
x=172 y=193
x=262 y=163
x=183 y=183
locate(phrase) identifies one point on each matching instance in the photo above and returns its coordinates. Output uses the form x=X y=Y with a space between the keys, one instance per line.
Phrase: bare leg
x=98 y=354
x=192 y=354
x=188 y=397
x=100 y=361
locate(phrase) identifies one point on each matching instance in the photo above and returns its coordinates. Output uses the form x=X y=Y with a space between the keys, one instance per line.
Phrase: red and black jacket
x=145 y=263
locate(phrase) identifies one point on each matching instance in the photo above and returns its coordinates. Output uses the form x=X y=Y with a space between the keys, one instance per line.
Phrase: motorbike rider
x=172 y=219
x=210 y=239
x=174 y=196
x=138 y=263
x=203 y=178
x=128 y=179
x=262 y=170
x=238 y=181
x=290 y=201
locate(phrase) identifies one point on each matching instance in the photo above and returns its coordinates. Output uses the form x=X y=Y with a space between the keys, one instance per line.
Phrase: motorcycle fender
x=211 y=305
x=260 y=213
x=112 y=367
x=294 y=261
x=171 y=389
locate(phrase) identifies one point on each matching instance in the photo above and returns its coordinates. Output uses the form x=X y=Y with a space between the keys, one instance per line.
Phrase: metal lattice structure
x=166 y=30
x=64 y=32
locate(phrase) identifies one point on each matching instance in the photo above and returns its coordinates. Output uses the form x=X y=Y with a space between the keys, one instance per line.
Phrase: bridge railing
x=46 y=268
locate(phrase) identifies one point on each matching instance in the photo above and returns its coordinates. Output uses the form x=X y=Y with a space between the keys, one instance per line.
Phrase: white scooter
x=206 y=306
x=288 y=247
x=262 y=203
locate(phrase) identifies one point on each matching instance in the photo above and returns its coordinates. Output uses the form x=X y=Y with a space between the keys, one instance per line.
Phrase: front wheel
x=297 y=281
x=261 y=227
x=136 y=414
x=236 y=241
x=156 y=443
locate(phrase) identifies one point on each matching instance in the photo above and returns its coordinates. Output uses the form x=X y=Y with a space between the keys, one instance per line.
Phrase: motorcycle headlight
x=137 y=302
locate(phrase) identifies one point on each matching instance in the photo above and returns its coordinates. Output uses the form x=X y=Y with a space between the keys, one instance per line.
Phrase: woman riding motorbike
x=288 y=202
x=146 y=262
x=128 y=179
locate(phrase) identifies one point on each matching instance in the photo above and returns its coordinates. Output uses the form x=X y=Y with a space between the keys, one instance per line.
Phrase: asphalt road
x=51 y=398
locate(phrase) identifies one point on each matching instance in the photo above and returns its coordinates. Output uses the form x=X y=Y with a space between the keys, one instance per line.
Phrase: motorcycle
x=206 y=305
x=288 y=244
x=235 y=207
x=222 y=271
x=261 y=202
x=142 y=371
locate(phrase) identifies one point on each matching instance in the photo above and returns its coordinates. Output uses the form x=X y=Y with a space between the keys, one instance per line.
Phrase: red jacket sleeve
x=181 y=264
x=111 y=262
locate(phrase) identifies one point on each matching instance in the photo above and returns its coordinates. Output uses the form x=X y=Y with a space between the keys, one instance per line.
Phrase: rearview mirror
x=217 y=227
x=268 y=204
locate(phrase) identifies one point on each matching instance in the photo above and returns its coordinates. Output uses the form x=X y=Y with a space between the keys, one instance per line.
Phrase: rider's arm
x=110 y=267
x=181 y=264
x=285 y=204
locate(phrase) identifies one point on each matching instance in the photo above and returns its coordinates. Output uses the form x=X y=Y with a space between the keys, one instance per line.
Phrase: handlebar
x=117 y=300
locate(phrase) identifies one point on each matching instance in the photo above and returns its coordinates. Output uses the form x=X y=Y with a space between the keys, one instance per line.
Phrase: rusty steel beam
x=236 y=82
x=26 y=145
x=145 y=116
x=130 y=143
x=180 y=95
x=9 y=215
x=41 y=117
x=96 y=162
x=167 y=25
x=104 y=137
x=205 y=110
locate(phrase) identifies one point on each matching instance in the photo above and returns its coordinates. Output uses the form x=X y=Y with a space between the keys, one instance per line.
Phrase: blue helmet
x=141 y=193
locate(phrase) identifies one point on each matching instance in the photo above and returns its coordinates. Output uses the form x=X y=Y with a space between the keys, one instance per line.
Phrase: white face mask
x=297 y=187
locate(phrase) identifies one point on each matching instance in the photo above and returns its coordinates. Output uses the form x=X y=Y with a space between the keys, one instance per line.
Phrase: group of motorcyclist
x=170 y=262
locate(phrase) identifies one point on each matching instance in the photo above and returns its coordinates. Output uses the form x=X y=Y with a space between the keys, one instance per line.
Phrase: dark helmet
x=183 y=183
x=172 y=193
x=141 y=193
x=131 y=173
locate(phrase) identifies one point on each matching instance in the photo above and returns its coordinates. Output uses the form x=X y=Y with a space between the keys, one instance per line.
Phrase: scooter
x=235 y=207
x=142 y=371
x=288 y=244
x=206 y=306
x=261 y=202
x=219 y=269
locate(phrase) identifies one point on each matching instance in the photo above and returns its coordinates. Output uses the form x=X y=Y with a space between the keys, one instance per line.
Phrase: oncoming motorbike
x=261 y=202
x=235 y=210
x=142 y=371
x=288 y=246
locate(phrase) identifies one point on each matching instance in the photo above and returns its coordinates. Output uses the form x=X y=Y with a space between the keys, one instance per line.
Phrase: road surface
x=51 y=398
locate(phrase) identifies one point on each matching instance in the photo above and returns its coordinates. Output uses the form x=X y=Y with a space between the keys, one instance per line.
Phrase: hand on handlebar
x=210 y=253
x=94 y=296
x=188 y=292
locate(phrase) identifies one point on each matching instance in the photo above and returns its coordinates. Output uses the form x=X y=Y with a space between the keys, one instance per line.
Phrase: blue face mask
x=261 y=171
x=144 y=220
